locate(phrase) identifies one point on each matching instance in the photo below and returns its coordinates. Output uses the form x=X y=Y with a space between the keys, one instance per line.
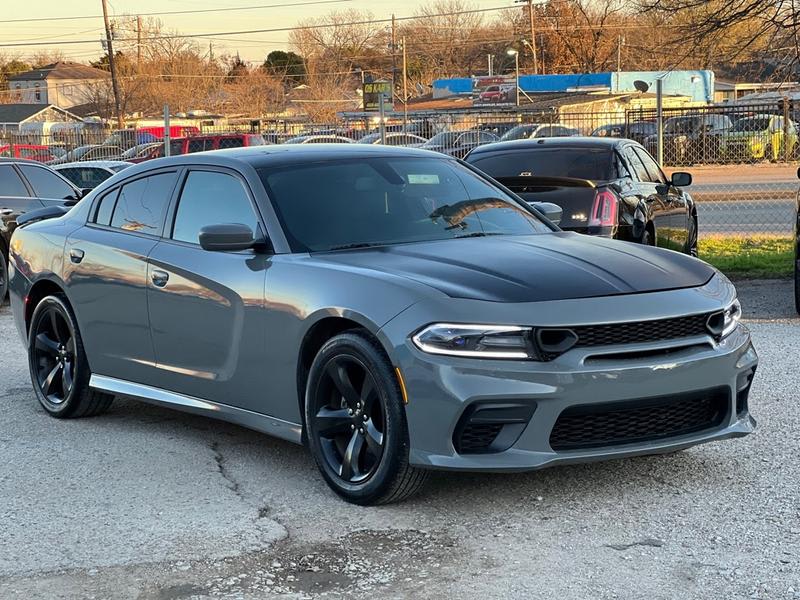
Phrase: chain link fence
x=742 y=157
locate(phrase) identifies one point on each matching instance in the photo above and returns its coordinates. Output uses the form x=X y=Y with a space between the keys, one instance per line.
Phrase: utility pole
x=393 y=48
x=491 y=68
x=533 y=34
x=620 y=41
x=405 y=85
x=139 y=43
x=112 y=65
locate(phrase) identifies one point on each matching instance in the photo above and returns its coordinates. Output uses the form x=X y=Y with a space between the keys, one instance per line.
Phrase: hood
x=551 y=266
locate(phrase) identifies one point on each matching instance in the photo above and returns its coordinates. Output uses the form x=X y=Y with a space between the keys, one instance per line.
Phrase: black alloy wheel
x=53 y=355
x=355 y=422
x=349 y=419
x=693 y=237
x=57 y=362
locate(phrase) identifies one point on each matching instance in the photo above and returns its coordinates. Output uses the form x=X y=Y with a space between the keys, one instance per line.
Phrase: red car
x=29 y=151
x=195 y=143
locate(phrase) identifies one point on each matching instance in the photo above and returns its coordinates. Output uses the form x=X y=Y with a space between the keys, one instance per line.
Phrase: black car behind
x=26 y=185
x=605 y=186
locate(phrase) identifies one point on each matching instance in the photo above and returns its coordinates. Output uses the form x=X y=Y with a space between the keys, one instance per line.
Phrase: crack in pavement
x=221 y=461
x=652 y=542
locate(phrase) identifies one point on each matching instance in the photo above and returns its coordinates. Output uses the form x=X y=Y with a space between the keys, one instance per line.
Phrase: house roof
x=19 y=113
x=61 y=70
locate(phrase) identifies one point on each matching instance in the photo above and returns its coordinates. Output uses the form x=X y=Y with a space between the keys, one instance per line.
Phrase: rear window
x=595 y=164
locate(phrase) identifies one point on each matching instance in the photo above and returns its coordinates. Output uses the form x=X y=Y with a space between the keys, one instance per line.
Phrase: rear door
x=207 y=308
x=106 y=272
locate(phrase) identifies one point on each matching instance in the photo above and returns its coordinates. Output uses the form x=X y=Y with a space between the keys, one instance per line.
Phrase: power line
x=274 y=29
x=178 y=12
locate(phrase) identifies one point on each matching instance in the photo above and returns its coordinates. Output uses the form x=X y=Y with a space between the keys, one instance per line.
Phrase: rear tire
x=356 y=422
x=59 y=370
x=3 y=277
x=647 y=238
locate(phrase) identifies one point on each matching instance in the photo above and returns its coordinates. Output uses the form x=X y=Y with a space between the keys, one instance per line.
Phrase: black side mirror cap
x=681 y=179
x=226 y=237
x=553 y=212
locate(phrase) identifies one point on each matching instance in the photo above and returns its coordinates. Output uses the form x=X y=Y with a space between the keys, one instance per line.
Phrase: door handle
x=76 y=255
x=159 y=278
x=6 y=211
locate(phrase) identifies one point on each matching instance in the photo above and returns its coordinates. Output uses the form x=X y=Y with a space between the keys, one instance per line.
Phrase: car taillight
x=604 y=210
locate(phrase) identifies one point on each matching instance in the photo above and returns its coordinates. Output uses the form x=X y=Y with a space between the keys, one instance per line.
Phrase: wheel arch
x=326 y=326
x=39 y=290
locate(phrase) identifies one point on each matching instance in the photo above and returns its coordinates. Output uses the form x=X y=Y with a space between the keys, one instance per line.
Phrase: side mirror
x=552 y=211
x=798 y=172
x=681 y=179
x=226 y=237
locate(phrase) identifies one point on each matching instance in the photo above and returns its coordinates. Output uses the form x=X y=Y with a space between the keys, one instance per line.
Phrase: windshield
x=445 y=138
x=594 y=164
x=348 y=203
x=520 y=132
x=682 y=125
x=752 y=124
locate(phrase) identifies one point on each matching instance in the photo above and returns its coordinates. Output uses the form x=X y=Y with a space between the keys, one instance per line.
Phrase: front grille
x=630 y=422
x=478 y=437
x=641 y=331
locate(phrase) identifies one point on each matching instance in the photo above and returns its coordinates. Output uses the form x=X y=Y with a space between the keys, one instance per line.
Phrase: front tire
x=57 y=363
x=356 y=422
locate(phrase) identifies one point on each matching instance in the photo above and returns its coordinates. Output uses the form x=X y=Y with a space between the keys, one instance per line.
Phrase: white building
x=62 y=84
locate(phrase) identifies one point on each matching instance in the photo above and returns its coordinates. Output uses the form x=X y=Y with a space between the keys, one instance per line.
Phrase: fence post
x=166 y=130
x=382 y=114
x=786 y=113
x=660 y=121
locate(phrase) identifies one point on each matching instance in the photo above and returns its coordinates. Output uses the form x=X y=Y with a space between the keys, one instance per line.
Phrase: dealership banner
x=494 y=91
x=372 y=95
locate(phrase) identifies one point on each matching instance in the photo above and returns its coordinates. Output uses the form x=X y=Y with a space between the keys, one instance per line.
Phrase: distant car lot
x=175 y=506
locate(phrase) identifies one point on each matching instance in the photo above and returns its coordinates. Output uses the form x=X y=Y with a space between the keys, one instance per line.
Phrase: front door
x=207 y=308
x=15 y=199
x=657 y=207
x=674 y=200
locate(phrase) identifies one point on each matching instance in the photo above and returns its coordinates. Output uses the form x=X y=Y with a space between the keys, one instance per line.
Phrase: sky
x=252 y=47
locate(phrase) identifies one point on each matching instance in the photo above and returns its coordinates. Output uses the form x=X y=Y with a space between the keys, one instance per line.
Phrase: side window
x=11 y=184
x=653 y=170
x=544 y=131
x=232 y=142
x=142 y=202
x=486 y=137
x=105 y=207
x=175 y=147
x=639 y=172
x=620 y=168
x=47 y=184
x=200 y=205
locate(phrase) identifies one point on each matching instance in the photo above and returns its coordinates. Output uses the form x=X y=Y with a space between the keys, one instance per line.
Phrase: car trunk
x=574 y=196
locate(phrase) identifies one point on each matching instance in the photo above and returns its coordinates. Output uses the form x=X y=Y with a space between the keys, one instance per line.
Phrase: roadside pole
x=166 y=130
x=381 y=116
x=112 y=64
x=786 y=117
x=660 y=121
x=405 y=87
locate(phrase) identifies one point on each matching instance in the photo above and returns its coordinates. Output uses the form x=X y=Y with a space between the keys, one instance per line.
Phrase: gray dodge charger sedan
x=393 y=309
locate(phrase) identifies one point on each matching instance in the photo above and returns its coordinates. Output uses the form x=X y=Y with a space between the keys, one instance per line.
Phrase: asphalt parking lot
x=151 y=504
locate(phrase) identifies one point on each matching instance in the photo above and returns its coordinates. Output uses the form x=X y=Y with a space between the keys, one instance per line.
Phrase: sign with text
x=372 y=95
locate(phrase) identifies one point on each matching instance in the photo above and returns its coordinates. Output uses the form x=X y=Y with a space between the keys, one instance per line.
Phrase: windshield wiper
x=356 y=245
x=478 y=234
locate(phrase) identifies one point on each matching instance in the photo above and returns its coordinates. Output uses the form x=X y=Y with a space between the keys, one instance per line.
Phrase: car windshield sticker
x=425 y=179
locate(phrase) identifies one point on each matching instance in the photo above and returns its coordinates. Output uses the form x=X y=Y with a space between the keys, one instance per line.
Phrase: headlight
x=731 y=318
x=478 y=341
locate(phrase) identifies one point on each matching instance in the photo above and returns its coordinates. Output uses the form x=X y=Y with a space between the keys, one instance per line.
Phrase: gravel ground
x=151 y=504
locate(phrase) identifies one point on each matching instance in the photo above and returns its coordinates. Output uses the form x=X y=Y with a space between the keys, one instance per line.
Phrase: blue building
x=697 y=85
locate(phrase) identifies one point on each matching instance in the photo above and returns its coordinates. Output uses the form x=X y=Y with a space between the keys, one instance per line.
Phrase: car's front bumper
x=443 y=390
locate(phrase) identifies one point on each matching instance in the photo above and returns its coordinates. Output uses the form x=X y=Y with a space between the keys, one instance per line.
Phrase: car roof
x=280 y=155
x=560 y=142
x=93 y=163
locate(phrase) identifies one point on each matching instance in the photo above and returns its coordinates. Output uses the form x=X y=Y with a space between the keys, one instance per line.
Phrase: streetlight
x=515 y=54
